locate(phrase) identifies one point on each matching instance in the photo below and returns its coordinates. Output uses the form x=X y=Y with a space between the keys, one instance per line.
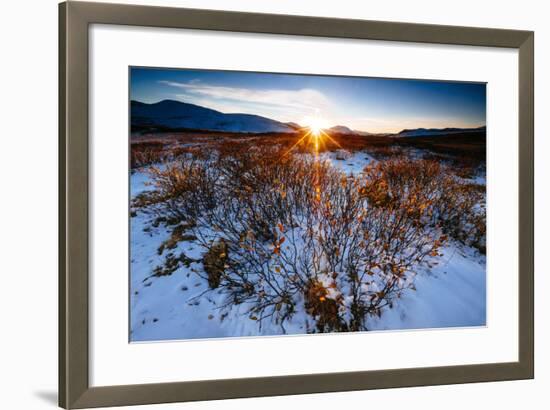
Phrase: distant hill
x=171 y=114
x=342 y=129
x=429 y=132
x=294 y=125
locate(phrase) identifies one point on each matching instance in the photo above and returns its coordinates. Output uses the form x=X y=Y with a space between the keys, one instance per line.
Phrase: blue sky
x=367 y=104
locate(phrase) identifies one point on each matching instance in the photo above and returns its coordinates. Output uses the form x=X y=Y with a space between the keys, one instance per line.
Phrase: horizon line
x=484 y=125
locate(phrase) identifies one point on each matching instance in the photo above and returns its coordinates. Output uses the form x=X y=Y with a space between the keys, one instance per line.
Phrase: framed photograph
x=256 y=205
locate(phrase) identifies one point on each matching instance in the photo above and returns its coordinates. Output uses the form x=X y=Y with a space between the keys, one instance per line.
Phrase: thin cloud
x=304 y=99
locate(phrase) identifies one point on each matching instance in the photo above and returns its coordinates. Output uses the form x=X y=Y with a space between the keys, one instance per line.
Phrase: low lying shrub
x=285 y=232
x=146 y=153
x=430 y=191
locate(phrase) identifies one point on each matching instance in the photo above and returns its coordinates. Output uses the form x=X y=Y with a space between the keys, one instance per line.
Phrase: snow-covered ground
x=354 y=164
x=449 y=294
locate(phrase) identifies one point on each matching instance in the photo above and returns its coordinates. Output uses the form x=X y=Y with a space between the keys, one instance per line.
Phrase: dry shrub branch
x=288 y=234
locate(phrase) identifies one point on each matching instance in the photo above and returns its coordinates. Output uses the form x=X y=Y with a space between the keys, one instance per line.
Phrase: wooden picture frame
x=74 y=387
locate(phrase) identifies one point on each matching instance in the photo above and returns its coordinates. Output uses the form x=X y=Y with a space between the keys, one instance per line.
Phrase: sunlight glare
x=315 y=124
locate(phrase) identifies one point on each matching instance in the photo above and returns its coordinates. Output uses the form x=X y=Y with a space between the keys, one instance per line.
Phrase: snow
x=449 y=294
x=140 y=182
x=354 y=164
x=173 y=306
x=452 y=294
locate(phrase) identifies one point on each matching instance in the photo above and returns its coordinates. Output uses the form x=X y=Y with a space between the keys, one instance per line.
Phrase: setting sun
x=314 y=134
x=315 y=124
x=316 y=131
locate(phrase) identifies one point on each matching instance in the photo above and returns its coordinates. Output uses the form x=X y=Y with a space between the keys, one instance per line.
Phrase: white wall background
x=28 y=205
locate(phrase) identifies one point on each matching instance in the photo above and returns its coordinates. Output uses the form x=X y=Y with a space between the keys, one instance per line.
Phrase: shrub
x=285 y=232
x=214 y=263
x=428 y=189
x=146 y=153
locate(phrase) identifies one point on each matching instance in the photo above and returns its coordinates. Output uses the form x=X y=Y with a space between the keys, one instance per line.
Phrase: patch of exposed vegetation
x=178 y=234
x=215 y=261
x=172 y=262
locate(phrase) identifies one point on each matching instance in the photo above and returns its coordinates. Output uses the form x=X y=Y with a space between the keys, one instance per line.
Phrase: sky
x=360 y=103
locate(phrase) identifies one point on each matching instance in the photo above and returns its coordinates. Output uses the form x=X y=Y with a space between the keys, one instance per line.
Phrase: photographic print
x=267 y=204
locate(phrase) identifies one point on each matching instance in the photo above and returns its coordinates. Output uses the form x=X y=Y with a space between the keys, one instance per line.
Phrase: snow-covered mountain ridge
x=179 y=115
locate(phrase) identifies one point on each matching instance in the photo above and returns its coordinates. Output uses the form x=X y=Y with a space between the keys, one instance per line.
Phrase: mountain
x=173 y=114
x=342 y=129
x=429 y=132
x=294 y=125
